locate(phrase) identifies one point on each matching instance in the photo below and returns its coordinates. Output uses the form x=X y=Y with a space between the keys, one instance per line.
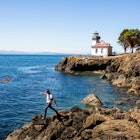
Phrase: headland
x=122 y=70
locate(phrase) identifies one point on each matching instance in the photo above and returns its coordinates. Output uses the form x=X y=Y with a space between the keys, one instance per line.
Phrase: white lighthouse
x=100 y=48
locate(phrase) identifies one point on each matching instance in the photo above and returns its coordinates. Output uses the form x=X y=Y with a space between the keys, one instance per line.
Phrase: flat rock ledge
x=122 y=70
x=82 y=124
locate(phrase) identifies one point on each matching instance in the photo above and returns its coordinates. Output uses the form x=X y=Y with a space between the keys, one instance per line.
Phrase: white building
x=100 y=48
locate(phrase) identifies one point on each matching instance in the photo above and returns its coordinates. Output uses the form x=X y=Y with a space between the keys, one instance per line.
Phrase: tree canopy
x=129 y=38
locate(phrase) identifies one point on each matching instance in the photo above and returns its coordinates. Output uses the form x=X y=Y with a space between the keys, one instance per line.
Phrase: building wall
x=94 y=42
x=99 y=51
x=110 y=51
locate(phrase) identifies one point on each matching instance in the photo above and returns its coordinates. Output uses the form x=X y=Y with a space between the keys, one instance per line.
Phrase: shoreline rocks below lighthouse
x=122 y=70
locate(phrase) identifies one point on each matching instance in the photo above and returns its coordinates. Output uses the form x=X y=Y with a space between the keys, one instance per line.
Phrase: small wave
x=31 y=69
x=34 y=69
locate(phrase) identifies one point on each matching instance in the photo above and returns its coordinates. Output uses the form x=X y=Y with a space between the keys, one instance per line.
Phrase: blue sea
x=20 y=98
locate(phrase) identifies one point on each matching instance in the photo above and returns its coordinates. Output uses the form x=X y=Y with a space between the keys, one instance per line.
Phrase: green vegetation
x=129 y=38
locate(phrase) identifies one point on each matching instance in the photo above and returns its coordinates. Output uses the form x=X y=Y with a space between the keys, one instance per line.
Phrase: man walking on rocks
x=49 y=100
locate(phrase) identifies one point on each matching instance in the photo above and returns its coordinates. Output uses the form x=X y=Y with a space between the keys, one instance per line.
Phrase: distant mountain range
x=24 y=52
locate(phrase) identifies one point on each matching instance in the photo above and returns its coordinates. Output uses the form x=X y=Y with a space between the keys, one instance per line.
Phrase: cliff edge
x=122 y=70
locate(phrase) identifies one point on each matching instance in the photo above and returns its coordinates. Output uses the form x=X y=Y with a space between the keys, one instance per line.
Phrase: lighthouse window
x=96 y=50
x=101 y=50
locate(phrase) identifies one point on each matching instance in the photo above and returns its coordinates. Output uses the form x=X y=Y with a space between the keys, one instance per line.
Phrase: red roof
x=102 y=44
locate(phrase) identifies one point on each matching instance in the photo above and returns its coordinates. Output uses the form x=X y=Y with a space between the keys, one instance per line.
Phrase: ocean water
x=20 y=98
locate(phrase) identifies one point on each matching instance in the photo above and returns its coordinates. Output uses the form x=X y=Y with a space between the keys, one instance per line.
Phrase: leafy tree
x=122 y=41
x=129 y=38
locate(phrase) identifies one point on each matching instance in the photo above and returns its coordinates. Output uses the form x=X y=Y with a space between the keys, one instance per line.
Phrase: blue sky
x=64 y=26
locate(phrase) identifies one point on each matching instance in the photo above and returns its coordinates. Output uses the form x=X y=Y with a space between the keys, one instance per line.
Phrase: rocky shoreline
x=93 y=122
x=83 y=124
x=122 y=70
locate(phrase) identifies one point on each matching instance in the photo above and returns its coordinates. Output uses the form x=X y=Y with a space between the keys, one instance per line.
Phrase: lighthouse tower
x=95 y=38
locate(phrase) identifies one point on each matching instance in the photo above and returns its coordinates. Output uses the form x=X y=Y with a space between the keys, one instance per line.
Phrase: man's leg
x=54 y=109
x=46 y=111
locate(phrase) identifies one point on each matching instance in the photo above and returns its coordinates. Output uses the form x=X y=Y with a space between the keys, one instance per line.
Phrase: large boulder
x=92 y=100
